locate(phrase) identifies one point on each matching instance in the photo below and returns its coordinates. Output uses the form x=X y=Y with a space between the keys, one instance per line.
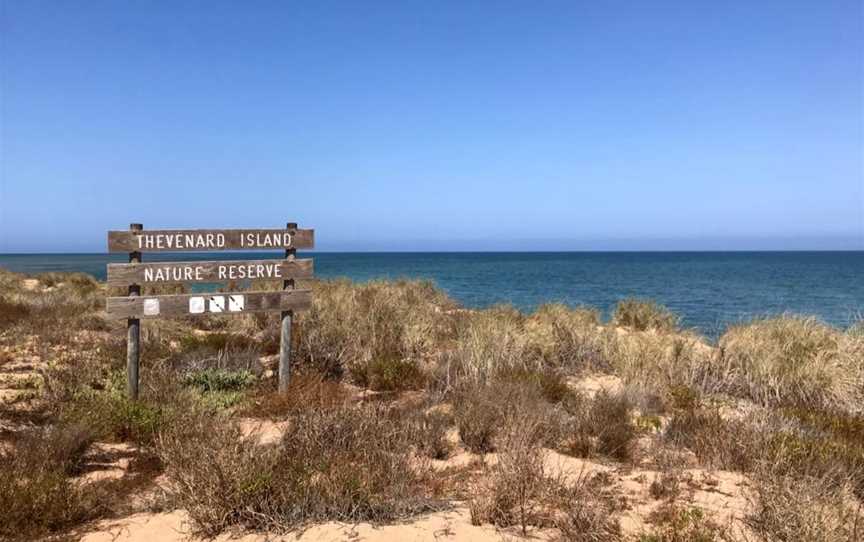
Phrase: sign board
x=206 y=240
x=135 y=274
x=164 y=306
x=124 y=274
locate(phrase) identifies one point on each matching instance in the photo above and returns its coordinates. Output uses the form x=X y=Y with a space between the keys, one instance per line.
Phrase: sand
x=454 y=525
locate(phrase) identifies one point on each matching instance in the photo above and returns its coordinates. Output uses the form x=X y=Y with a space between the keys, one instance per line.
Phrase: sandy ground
x=453 y=524
x=719 y=493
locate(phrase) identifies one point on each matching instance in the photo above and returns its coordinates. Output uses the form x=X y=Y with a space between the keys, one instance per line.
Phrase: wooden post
x=287 y=316
x=133 y=335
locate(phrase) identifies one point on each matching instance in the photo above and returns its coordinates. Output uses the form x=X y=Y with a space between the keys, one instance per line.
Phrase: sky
x=417 y=125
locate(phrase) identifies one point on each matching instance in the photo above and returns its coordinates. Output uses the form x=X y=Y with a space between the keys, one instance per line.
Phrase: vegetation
x=392 y=381
x=644 y=315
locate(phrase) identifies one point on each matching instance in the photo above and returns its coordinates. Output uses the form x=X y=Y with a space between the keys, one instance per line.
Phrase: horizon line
x=455 y=251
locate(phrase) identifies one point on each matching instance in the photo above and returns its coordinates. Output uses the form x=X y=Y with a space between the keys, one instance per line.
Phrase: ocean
x=709 y=290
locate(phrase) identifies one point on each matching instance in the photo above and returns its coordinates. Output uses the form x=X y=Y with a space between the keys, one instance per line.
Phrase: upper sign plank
x=205 y=240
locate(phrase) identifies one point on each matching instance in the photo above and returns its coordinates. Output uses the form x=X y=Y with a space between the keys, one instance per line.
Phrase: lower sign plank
x=227 y=303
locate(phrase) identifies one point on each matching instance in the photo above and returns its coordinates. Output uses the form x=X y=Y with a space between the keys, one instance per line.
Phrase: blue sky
x=435 y=125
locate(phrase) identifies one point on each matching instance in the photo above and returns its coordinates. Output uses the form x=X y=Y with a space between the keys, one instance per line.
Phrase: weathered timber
x=206 y=240
x=161 y=306
x=285 y=329
x=121 y=274
x=133 y=329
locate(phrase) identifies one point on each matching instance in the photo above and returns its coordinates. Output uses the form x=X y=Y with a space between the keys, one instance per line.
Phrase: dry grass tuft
x=353 y=325
x=793 y=360
x=644 y=315
x=810 y=508
x=570 y=339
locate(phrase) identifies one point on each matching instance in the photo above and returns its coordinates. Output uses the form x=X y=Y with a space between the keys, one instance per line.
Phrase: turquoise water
x=708 y=289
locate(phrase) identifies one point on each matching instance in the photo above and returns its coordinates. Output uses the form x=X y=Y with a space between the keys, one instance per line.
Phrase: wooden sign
x=123 y=274
x=134 y=306
x=206 y=240
x=216 y=303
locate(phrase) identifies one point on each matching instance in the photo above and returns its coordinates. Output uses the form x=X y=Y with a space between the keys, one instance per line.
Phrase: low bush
x=392 y=374
x=719 y=443
x=347 y=463
x=486 y=412
x=215 y=342
x=518 y=486
x=602 y=425
x=12 y=312
x=551 y=385
x=429 y=433
x=112 y=416
x=478 y=416
x=584 y=512
x=673 y=523
x=37 y=496
x=644 y=315
x=518 y=492
x=216 y=380
x=305 y=390
x=787 y=446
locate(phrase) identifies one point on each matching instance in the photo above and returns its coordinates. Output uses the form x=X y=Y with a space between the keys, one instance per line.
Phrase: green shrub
x=215 y=380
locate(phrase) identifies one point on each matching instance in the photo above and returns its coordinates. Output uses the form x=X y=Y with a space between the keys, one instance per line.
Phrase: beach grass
x=392 y=380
